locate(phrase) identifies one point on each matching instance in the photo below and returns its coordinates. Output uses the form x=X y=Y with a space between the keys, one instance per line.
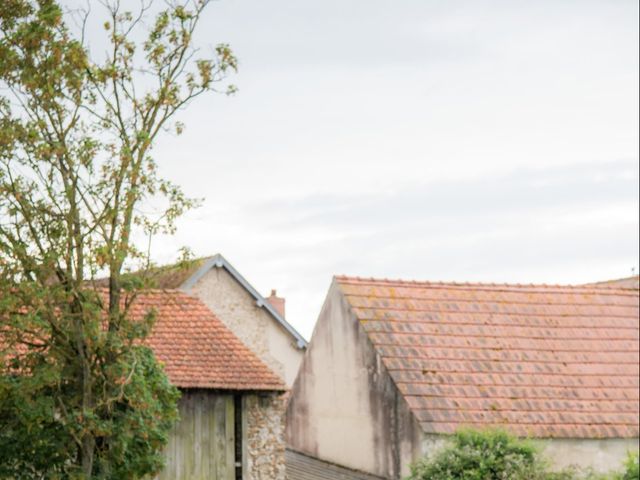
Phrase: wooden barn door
x=202 y=444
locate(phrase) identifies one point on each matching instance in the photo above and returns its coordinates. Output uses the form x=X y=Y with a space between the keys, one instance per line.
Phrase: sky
x=492 y=141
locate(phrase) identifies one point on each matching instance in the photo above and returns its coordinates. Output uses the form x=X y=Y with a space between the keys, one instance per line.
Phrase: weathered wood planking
x=201 y=445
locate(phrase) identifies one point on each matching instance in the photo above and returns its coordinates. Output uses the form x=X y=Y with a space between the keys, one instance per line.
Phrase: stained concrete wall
x=253 y=325
x=602 y=455
x=344 y=408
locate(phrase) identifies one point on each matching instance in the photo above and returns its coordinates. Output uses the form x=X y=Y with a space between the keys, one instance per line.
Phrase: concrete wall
x=600 y=455
x=253 y=325
x=603 y=455
x=344 y=407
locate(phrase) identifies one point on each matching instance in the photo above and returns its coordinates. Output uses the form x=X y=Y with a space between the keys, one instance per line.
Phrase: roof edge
x=606 y=286
x=276 y=390
x=218 y=261
x=353 y=471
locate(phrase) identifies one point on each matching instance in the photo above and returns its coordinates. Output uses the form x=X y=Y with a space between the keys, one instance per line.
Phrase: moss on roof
x=164 y=276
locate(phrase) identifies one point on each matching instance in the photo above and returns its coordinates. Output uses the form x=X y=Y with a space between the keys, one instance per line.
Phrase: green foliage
x=79 y=397
x=140 y=422
x=497 y=455
x=632 y=468
x=481 y=455
x=129 y=432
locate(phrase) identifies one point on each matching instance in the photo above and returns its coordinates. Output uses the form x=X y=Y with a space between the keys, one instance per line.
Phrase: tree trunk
x=114 y=299
x=88 y=448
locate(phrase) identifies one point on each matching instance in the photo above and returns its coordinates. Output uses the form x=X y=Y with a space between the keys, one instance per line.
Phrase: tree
x=80 y=397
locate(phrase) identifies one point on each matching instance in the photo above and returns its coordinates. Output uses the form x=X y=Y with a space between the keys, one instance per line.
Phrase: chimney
x=276 y=302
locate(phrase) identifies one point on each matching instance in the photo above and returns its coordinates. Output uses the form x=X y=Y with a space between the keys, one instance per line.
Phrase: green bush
x=485 y=455
x=497 y=455
x=632 y=468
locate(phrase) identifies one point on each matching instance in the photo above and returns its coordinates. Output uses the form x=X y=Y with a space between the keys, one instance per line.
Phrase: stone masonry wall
x=264 y=425
x=235 y=307
x=253 y=325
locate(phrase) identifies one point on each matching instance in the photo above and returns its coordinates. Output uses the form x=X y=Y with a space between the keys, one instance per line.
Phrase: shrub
x=632 y=468
x=485 y=455
x=497 y=455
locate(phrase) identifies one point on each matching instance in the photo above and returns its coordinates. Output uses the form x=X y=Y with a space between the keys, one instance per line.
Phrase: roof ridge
x=219 y=261
x=347 y=279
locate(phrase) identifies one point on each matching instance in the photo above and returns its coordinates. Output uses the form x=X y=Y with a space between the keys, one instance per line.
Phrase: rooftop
x=541 y=360
x=185 y=274
x=198 y=350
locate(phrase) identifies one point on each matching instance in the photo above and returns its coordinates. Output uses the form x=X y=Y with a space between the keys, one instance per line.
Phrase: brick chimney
x=276 y=302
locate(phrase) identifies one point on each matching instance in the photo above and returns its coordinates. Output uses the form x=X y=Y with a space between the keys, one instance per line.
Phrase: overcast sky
x=416 y=139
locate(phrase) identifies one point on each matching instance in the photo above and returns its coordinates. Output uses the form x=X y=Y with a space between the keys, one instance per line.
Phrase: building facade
x=258 y=321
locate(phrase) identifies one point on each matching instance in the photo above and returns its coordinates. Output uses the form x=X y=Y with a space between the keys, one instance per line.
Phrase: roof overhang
x=218 y=261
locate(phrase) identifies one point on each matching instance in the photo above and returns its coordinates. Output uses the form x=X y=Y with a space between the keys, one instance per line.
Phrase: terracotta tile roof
x=198 y=350
x=543 y=361
x=185 y=274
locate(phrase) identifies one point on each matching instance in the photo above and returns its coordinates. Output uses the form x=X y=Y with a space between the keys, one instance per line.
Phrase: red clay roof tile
x=544 y=361
x=198 y=350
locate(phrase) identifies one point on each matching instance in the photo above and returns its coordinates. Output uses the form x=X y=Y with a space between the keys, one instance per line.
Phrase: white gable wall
x=253 y=325
x=344 y=407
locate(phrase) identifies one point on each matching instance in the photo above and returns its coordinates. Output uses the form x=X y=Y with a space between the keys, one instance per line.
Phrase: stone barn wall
x=264 y=428
x=253 y=325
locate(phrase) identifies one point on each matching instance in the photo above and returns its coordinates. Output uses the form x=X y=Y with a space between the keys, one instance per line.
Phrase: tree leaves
x=78 y=182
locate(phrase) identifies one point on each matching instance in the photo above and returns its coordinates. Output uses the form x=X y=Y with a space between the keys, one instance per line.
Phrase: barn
x=232 y=407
